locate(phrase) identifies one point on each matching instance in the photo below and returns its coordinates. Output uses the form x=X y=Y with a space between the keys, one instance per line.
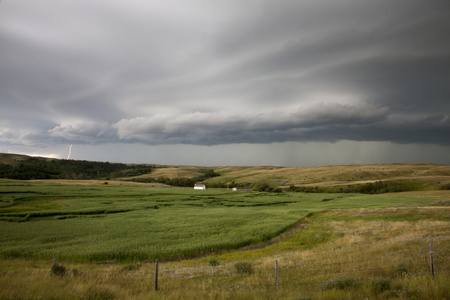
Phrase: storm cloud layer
x=213 y=73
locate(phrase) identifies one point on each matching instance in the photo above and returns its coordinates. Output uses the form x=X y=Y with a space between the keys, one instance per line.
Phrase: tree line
x=40 y=168
x=180 y=181
x=378 y=187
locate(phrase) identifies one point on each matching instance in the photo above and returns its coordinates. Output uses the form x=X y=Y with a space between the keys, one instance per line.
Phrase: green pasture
x=84 y=223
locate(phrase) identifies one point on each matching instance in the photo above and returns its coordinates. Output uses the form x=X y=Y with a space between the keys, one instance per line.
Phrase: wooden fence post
x=431 y=259
x=276 y=275
x=156 y=276
x=54 y=260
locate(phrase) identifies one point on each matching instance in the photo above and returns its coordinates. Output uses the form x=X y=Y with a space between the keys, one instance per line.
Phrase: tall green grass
x=125 y=223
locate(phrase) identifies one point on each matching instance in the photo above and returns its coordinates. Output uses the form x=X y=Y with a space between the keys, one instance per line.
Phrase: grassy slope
x=430 y=176
x=322 y=176
x=427 y=176
x=12 y=159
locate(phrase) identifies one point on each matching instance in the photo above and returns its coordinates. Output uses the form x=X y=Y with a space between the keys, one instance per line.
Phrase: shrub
x=59 y=270
x=263 y=187
x=380 y=187
x=340 y=283
x=244 y=268
x=213 y=262
x=379 y=285
x=445 y=186
x=306 y=189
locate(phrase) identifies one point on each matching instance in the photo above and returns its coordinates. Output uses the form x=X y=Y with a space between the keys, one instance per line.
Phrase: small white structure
x=199 y=186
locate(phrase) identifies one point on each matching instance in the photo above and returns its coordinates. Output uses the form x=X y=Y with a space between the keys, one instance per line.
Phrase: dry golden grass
x=325 y=176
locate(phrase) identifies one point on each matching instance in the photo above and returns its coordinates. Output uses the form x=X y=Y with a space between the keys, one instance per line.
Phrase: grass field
x=380 y=253
x=135 y=223
x=220 y=244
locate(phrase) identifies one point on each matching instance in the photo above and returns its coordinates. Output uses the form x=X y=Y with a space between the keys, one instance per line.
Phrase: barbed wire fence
x=310 y=274
x=314 y=274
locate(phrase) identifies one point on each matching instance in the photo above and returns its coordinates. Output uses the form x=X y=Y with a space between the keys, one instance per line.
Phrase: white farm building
x=199 y=186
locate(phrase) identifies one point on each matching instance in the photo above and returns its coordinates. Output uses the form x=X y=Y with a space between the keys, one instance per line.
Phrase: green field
x=120 y=223
x=336 y=232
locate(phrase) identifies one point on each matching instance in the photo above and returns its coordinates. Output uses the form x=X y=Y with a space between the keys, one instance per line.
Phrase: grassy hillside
x=410 y=177
x=430 y=175
x=420 y=176
x=15 y=159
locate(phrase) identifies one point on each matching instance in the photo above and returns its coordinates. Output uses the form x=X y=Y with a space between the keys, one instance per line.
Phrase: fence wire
x=314 y=274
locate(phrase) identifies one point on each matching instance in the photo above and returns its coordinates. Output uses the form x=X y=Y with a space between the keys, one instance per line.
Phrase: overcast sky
x=226 y=82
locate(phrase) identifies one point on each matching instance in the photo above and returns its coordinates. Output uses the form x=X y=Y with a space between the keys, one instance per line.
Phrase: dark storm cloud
x=408 y=83
x=215 y=128
x=217 y=72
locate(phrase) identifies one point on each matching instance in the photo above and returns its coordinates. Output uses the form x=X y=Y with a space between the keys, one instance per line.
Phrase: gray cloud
x=323 y=121
x=84 y=132
x=219 y=72
x=214 y=128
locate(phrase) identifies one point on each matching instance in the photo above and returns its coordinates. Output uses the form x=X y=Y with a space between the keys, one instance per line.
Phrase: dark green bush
x=59 y=270
x=380 y=187
x=213 y=262
x=306 y=189
x=445 y=186
x=263 y=187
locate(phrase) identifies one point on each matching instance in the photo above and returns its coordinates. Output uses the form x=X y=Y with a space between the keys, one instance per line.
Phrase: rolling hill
x=340 y=178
